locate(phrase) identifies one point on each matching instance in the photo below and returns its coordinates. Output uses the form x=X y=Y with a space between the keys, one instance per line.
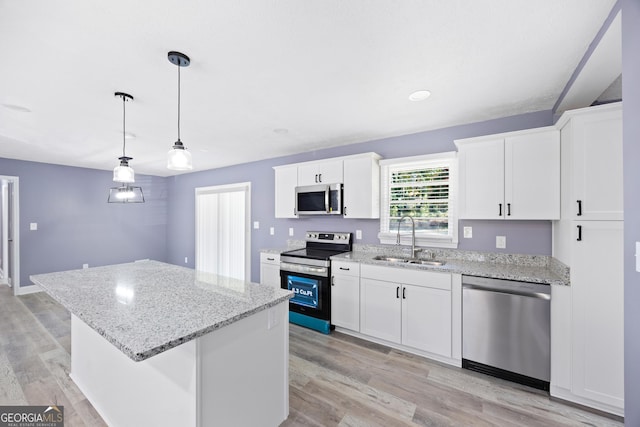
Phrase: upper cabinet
x=359 y=174
x=592 y=139
x=323 y=172
x=362 y=186
x=513 y=175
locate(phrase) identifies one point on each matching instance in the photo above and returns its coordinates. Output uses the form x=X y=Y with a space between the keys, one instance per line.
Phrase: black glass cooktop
x=313 y=253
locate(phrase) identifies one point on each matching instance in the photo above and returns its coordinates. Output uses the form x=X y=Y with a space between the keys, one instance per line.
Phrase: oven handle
x=304 y=269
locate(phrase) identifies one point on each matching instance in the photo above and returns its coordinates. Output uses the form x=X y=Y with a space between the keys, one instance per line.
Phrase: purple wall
x=76 y=225
x=522 y=237
x=631 y=168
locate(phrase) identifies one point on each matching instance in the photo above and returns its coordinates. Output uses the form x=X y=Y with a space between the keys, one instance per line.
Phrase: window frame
x=389 y=237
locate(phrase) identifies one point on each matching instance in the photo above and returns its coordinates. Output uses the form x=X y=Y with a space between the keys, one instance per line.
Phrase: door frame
x=15 y=214
x=241 y=186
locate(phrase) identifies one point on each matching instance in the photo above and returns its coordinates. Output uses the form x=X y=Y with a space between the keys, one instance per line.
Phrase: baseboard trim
x=31 y=289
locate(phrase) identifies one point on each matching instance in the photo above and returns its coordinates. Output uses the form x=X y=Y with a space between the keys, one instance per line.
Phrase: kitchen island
x=158 y=344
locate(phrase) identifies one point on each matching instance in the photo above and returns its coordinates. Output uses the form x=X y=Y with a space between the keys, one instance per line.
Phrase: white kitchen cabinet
x=408 y=307
x=321 y=172
x=362 y=186
x=592 y=140
x=345 y=295
x=597 y=312
x=513 y=175
x=270 y=269
x=286 y=180
x=587 y=342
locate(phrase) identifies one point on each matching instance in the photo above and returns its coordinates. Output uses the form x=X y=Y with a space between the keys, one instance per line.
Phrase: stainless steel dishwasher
x=505 y=329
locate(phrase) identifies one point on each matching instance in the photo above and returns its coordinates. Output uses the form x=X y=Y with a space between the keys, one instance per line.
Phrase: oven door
x=310 y=286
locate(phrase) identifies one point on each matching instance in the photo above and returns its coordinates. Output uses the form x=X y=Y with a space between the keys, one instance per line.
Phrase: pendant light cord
x=124 y=124
x=179 y=101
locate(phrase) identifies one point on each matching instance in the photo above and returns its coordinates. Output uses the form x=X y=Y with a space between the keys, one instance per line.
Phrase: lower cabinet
x=345 y=295
x=408 y=307
x=270 y=269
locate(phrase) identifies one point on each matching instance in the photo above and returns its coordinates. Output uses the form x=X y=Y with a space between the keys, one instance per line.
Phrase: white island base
x=234 y=376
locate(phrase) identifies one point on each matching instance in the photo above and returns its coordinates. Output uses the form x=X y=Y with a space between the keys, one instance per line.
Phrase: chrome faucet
x=413 y=235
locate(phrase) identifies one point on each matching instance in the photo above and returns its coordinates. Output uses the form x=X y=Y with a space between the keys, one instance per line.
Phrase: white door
x=4 y=232
x=345 y=301
x=223 y=234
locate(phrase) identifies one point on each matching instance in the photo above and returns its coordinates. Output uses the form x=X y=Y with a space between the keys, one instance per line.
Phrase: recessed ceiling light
x=18 y=108
x=281 y=131
x=419 y=95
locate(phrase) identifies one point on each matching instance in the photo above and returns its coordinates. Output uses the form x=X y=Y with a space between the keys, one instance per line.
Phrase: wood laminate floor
x=335 y=380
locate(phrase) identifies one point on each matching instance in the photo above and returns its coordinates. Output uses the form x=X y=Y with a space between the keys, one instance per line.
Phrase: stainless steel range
x=307 y=272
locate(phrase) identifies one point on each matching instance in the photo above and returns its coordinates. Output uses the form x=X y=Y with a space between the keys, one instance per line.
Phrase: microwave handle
x=327 y=192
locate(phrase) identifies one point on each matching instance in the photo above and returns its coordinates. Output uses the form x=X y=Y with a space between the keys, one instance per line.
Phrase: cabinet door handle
x=499 y=209
x=319 y=177
x=345 y=268
x=403 y=289
x=508 y=209
x=579 y=207
x=344 y=211
x=579 y=239
x=316 y=177
x=332 y=282
x=398 y=292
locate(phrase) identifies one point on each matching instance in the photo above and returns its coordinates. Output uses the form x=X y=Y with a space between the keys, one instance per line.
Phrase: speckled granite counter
x=528 y=269
x=145 y=308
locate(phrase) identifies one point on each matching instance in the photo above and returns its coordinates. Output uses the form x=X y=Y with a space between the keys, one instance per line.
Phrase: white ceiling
x=330 y=72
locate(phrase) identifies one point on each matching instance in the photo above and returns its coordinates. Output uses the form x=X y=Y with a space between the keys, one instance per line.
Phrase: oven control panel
x=322 y=236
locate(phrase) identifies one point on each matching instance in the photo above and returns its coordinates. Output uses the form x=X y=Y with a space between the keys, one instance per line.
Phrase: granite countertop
x=147 y=307
x=497 y=270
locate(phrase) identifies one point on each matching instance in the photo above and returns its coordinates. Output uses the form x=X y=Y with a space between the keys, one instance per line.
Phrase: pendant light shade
x=178 y=157
x=123 y=172
x=126 y=194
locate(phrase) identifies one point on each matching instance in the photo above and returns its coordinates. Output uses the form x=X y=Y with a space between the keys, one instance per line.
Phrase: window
x=423 y=188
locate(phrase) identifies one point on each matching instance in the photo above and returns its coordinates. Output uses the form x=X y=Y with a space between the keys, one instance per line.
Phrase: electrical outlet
x=33 y=226
x=186 y=260
x=501 y=242
x=85 y=265
x=468 y=232
x=290 y=231
x=359 y=234
x=256 y=224
x=272 y=231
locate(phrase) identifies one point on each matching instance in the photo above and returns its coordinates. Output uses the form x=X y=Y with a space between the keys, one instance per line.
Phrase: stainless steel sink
x=427 y=262
x=432 y=262
x=390 y=259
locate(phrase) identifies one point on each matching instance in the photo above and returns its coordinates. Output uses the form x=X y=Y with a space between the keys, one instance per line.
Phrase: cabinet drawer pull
x=499 y=209
x=403 y=290
x=345 y=268
x=271 y=259
x=398 y=292
x=508 y=209
x=579 y=207
x=579 y=239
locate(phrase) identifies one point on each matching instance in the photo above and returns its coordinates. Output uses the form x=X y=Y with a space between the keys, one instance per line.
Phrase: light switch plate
x=501 y=242
x=272 y=231
x=468 y=232
x=290 y=231
x=256 y=224
x=359 y=234
x=33 y=226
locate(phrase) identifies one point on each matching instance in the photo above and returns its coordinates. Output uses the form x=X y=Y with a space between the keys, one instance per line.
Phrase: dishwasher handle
x=510 y=291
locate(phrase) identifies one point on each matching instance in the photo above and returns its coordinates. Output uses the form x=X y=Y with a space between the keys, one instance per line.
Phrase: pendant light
x=178 y=157
x=124 y=173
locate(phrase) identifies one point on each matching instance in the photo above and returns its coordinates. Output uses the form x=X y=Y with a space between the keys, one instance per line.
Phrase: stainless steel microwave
x=324 y=199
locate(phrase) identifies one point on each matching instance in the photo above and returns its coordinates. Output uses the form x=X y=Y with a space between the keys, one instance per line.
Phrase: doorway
x=223 y=232
x=10 y=233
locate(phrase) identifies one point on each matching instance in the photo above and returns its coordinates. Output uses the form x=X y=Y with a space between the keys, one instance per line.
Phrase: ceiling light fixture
x=419 y=95
x=179 y=158
x=124 y=173
x=126 y=194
